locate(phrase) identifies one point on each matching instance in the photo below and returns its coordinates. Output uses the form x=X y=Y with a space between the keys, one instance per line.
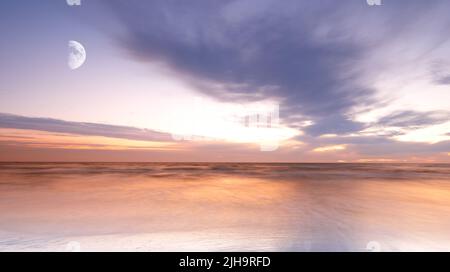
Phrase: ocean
x=224 y=207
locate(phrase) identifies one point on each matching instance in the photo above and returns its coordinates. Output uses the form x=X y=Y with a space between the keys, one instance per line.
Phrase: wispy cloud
x=44 y=139
x=329 y=148
x=80 y=128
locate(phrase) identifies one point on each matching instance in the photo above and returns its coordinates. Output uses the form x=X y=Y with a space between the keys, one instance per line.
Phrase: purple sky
x=352 y=82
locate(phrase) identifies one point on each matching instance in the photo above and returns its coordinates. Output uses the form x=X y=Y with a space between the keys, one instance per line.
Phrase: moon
x=77 y=55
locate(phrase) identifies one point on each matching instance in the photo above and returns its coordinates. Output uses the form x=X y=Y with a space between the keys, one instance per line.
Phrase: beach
x=224 y=207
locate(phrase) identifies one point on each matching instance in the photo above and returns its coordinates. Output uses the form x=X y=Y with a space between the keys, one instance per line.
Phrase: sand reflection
x=126 y=208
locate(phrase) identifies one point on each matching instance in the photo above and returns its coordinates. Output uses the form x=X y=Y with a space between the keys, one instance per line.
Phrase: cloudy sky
x=237 y=80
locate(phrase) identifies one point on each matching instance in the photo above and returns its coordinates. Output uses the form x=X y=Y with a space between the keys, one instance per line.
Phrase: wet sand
x=224 y=207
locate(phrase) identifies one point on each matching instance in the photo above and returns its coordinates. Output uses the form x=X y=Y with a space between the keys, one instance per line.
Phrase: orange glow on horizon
x=43 y=139
x=330 y=148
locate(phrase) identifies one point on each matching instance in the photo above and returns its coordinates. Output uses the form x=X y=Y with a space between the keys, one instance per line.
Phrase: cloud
x=243 y=50
x=440 y=71
x=66 y=141
x=92 y=129
x=368 y=75
x=336 y=124
x=445 y=80
x=329 y=148
x=413 y=118
x=390 y=148
x=315 y=57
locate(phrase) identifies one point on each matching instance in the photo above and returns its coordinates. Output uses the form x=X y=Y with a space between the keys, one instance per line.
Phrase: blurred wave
x=273 y=170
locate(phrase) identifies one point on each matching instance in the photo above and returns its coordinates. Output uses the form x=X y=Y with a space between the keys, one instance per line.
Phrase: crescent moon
x=77 y=55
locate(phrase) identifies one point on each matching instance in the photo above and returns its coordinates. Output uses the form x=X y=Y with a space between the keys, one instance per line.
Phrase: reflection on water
x=262 y=207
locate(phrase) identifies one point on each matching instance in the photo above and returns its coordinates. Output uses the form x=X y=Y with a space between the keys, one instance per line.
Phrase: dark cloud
x=444 y=80
x=391 y=147
x=336 y=124
x=379 y=145
x=440 y=72
x=92 y=129
x=304 y=53
x=414 y=118
x=253 y=49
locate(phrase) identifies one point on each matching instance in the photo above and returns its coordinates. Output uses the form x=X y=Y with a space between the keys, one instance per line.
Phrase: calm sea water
x=224 y=207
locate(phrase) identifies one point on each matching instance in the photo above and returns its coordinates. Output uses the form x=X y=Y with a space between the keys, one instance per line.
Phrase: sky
x=237 y=80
